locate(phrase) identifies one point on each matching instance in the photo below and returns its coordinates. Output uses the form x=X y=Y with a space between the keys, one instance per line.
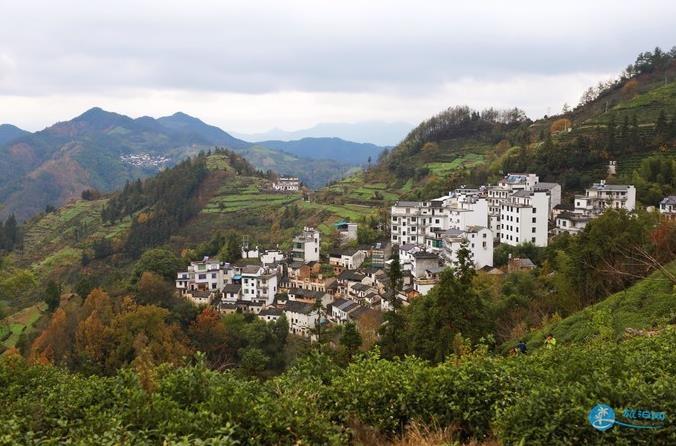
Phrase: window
x=534 y=219
x=483 y=244
x=532 y=239
x=534 y=210
x=532 y=230
x=484 y=235
x=202 y=276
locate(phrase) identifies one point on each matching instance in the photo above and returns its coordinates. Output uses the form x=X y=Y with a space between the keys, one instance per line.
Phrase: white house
x=207 y=274
x=232 y=292
x=306 y=246
x=270 y=314
x=259 y=284
x=348 y=259
x=302 y=317
x=199 y=297
x=479 y=242
x=422 y=261
x=596 y=199
x=286 y=184
x=341 y=309
x=271 y=256
x=668 y=206
x=524 y=218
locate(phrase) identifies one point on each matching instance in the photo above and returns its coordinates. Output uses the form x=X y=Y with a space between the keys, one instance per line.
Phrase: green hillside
x=648 y=304
x=628 y=121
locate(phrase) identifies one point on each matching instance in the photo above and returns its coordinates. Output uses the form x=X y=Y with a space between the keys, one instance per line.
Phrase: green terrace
x=233 y=203
x=465 y=161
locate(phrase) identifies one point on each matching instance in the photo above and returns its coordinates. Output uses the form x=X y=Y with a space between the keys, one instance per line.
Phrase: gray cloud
x=387 y=48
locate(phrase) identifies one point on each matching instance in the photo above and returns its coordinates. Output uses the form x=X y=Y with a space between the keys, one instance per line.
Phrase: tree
x=209 y=335
x=350 y=339
x=396 y=280
x=160 y=261
x=451 y=308
x=52 y=296
x=253 y=361
x=232 y=249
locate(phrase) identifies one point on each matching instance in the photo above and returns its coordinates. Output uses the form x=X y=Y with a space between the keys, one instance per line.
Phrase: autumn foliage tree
x=102 y=334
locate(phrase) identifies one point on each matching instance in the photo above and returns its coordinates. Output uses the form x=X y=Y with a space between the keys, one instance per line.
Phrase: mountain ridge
x=379 y=133
x=99 y=149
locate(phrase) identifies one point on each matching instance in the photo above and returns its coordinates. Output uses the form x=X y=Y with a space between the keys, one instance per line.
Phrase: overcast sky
x=252 y=65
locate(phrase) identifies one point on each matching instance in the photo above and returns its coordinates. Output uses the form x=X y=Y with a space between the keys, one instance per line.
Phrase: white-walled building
x=259 y=284
x=510 y=185
x=302 y=317
x=348 y=259
x=668 y=206
x=207 y=274
x=306 y=246
x=524 y=218
x=479 y=242
x=347 y=230
x=412 y=221
x=596 y=199
x=602 y=196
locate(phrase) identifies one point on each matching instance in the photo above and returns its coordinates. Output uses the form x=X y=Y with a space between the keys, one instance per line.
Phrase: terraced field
x=465 y=161
x=71 y=226
x=19 y=322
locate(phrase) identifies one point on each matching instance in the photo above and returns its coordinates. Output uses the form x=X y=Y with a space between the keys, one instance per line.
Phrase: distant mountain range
x=328 y=148
x=9 y=132
x=103 y=150
x=374 y=132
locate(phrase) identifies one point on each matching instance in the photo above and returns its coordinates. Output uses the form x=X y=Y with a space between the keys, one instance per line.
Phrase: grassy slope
x=648 y=303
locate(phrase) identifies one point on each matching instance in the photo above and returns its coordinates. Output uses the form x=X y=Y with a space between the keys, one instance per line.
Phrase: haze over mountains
x=103 y=150
x=374 y=132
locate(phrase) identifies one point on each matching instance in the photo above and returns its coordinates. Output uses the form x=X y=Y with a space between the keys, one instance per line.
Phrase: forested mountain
x=102 y=150
x=374 y=132
x=9 y=132
x=328 y=148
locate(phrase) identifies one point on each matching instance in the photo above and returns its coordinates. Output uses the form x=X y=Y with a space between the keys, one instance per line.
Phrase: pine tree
x=350 y=339
x=52 y=296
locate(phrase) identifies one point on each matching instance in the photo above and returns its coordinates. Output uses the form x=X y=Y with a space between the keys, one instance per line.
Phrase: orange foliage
x=560 y=125
x=629 y=89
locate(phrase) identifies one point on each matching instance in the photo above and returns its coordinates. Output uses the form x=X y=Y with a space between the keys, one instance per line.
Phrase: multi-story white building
x=479 y=242
x=286 y=184
x=207 y=274
x=413 y=222
x=668 y=206
x=524 y=218
x=259 y=284
x=306 y=246
x=596 y=199
x=509 y=185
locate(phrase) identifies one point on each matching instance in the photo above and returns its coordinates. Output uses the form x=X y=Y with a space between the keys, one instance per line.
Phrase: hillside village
x=313 y=289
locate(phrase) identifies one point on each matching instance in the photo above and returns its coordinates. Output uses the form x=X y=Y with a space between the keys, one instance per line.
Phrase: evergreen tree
x=52 y=296
x=350 y=339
